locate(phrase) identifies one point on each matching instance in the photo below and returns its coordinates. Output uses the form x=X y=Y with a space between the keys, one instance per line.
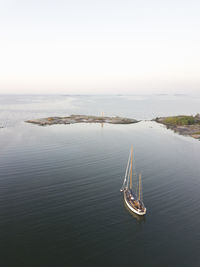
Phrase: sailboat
x=133 y=196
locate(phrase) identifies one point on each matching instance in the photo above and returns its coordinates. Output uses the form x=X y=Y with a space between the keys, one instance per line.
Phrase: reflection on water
x=140 y=219
x=59 y=190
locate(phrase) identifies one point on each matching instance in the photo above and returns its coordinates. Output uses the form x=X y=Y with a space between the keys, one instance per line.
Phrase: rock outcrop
x=81 y=119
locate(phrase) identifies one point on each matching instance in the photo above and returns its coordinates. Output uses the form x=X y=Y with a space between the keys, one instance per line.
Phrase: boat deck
x=134 y=203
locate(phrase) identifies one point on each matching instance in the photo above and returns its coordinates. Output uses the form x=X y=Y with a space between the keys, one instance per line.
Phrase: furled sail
x=126 y=173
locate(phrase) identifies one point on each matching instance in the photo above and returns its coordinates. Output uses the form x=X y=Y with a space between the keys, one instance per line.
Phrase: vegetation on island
x=180 y=120
x=185 y=125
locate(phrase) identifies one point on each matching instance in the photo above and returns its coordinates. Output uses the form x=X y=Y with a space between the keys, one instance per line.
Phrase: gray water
x=60 y=203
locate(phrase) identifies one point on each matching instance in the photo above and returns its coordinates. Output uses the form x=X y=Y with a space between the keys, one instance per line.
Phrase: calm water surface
x=60 y=203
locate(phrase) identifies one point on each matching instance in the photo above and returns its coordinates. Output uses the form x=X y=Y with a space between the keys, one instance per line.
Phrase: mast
x=140 y=177
x=131 y=169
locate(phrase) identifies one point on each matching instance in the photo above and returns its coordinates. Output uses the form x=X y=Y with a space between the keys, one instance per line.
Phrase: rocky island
x=81 y=119
x=185 y=125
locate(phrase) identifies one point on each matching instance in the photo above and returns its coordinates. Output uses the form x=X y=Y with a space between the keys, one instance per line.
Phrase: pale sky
x=104 y=46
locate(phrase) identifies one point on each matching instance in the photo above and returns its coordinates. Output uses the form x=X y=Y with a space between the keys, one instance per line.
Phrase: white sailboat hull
x=132 y=209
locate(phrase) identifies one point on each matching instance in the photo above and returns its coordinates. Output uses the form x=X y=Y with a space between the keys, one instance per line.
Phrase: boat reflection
x=139 y=218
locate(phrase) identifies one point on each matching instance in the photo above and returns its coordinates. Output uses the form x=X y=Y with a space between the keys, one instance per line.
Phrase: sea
x=60 y=199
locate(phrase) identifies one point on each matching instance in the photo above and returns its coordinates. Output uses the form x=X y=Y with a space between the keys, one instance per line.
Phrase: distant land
x=81 y=119
x=185 y=125
x=182 y=124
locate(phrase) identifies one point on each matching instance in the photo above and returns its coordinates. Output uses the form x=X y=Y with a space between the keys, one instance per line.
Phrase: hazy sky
x=104 y=46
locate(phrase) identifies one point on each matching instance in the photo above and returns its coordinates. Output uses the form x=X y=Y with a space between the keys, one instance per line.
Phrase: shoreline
x=184 y=125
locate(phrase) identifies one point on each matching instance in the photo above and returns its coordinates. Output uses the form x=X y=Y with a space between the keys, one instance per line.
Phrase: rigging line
x=131 y=169
x=125 y=178
x=129 y=172
x=126 y=172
